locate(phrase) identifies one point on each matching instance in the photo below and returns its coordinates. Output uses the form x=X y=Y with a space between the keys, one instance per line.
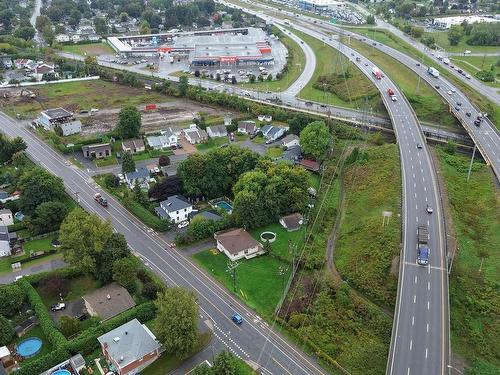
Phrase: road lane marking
x=411 y=344
x=427 y=327
x=425 y=353
x=415 y=279
x=415 y=298
x=413 y=320
x=428 y=305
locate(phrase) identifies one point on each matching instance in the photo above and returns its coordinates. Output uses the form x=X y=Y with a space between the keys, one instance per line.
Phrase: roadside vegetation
x=336 y=81
x=474 y=280
x=475 y=64
x=443 y=41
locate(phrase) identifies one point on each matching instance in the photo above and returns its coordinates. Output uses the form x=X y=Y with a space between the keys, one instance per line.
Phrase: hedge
x=42 y=364
x=17 y=226
x=29 y=259
x=55 y=337
x=66 y=273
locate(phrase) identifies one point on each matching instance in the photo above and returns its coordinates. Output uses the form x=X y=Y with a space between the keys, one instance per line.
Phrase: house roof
x=193 y=134
x=292 y=153
x=290 y=138
x=134 y=143
x=109 y=300
x=4 y=233
x=273 y=131
x=4 y=351
x=5 y=211
x=218 y=129
x=265 y=129
x=167 y=132
x=57 y=113
x=3 y=194
x=292 y=221
x=102 y=146
x=77 y=361
x=236 y=240
x=309 y=164
x=141 y=173
x=209 y=215
x=154 y=141
x=175 y=203
x=128 y=343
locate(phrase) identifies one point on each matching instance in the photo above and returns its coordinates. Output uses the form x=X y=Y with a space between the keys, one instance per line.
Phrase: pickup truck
x=101 y=200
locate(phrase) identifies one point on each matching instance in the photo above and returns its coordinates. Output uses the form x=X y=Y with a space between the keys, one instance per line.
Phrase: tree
x=101 y=27
x=183 y=85
x=115 y=248
x=8 y=147
x=370 y=19
x=48 y=34
x=74 y=17
x=177 y=321
x=25 y=32
x=315 y=139
x=83 y=237
x=128 y=163
x=47 y=217
x=202 y=369
x=6 y=17
x=455 y=34
x=170 y=185
x=144 y=27
x=11 y=298
x=69 y=326
x=125 y=272
x=164 y=160
x=6 y=331
x=417 y=31
x=224 y=364
x=38 y=186
x=123 y=17
x=41 y=22
x=129 y=122
x=112 y=181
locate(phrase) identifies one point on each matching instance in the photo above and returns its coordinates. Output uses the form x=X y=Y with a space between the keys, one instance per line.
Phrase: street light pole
x=471 y=161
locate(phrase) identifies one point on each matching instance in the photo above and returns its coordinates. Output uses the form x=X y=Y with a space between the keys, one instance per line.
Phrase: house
x=108 y=301
x=59 y=117
x=42 y=68
x=62 y=38
x=209 y=215
x=4 y=242
x=138 y=177
x=292 y=222
x=6 y=197
x=7 y=63
x=134 y=146
x=130 y=347
x=195 y=135
x=290 y=140
x=217 y=131
x=22 y=63
x=292 y=154
x=310 y=165
x=238 y=244
x=175 y=208
x=246 y=127
x=272 y=133
x=6 y=217
x=99 y=151
x=167 y=139
x=265 y=118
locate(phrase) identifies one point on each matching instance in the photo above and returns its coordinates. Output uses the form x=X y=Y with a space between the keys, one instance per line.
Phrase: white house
x=272 y=133
x=42 y=68
x=175 y=208
x=290 y=140
x=138 y=177
x=195 y=135
x=238 y=244
x=246 y=127
x=217 y=131
x=6 y=217
x=62 y=38
x=167 y=139
x=4 y=242
x=6 y=197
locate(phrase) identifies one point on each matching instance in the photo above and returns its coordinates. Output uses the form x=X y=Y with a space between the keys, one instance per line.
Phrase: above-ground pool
x=29 y=347
x=224 y=206
x=61 y=372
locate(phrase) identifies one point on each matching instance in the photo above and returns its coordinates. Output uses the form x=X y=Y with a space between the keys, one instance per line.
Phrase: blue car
x=237 y=319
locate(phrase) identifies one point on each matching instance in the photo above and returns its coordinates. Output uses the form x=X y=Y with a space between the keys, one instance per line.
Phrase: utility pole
x=471 y=161
x=231 y=268
x=292 y=249
x=282 y=272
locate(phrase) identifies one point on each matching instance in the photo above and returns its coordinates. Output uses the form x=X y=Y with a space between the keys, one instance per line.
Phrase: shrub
x=54 y=285
x=6 y=331
x=41 y=364
x=11 y=298
x=69 y=326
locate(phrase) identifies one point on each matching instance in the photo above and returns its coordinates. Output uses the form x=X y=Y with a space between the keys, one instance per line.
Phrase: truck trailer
x=423 y=250
x=433 y=72
x=377 y=73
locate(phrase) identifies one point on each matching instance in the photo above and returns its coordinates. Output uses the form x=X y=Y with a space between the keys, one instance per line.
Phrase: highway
x=254 y=340
x=420 y=337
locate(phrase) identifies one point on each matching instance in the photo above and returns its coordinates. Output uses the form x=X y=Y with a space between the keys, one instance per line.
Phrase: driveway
x=73 y=308
x=50 y=265
x=255 y=147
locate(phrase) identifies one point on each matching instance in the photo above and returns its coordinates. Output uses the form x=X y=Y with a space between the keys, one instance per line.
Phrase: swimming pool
x=61 y=372
x=224 y=205
x=29 y=347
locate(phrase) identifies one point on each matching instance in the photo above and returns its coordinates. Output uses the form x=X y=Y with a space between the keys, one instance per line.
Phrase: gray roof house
x=130 y=347
x=108 y=301
x=247 y=127
x=139 y=177
x=4 y=242
x=175 y=208
x=98 y=151
x=217 y=131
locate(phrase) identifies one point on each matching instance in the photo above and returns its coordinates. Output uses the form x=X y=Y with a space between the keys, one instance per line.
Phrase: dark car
x=423 y=255
x=418 y=64
x=81 y=317
x=477 y=123
x=468 y=114
x=237 y=319
x=459 y=104
x=419 y=146
x=437 y=87
x=457 y=108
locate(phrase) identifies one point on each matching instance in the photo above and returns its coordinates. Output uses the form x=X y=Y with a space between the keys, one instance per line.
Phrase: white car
x=182 y=224
x=429 y=209
x=120 y=176
x=450 y=93
x=394 y=98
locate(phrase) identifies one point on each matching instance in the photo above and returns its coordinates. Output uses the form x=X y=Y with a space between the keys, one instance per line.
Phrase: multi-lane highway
x=254 y=340
x=420 y=342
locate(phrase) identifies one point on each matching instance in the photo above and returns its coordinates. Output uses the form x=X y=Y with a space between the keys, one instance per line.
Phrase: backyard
x=77 y=287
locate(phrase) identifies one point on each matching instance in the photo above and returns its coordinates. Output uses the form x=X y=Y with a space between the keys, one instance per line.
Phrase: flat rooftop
x=56 y=113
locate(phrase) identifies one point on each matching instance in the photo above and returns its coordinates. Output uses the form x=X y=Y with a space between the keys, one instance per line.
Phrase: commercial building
x=320 y=5
x=99 y=151
x=50 y=119
x=444 y=23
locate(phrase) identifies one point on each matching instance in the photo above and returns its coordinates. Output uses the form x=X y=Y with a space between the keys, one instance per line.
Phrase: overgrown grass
x=77 y=286
x=348 y=93
x=442 y=41
x=258 y=282
x=474 y=280
x=473 y=64
x=365 y=248
x=274 y=152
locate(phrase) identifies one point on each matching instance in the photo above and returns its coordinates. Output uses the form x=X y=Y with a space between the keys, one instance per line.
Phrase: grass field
x=473 y=64
x=258 y=282
x=330 y=62
x=365 y=248
x=90 y=49
x=427 y=104
x=475 y=280
x=280 y=246
x=442 y=41
x=274 y=152
x=75 y=96
x=212 y=142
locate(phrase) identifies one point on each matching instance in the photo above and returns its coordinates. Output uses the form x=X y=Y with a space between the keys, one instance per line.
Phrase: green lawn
x=274 y=152
x=474 y=281
x=258 y=282
x=473 y=64
x=42 y=244
x=365 y=248
x=296 y=63
x=151 y=154
x=427 y=104
x=280 y=247
x=212 y=142
x=91 y=49
x=84 y=95
x=442 y=41
x=349 y=93
x=314 y=180
x=46 y=345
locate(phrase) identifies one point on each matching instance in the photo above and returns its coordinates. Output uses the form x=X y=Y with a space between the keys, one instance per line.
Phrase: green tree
x=69 y=326
x=48 y=34
x=125 y=272
x=39 y=186
x=101 y=27
x=9 y=147
x=370 y=19
x=48 y=217
x=112 y=181
x=455 y=34
x=176 y=324
x=164 y=160
x=6 y=331
x=417 y=31
x=129 y=122
x=128 y=163
x=202 y=369
x=41 y=22
x=25 y=32
x=11 y=298
x=183 y=85
x=6 y=17
x=224 y=364
x=83 y=237
x=144 y=27
x=315 y=140
x=115 y=248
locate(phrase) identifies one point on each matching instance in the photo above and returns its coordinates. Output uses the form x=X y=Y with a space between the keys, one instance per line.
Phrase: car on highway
x=429 y=209
x=237 y=319
x=182 y=224
x=417 y=64
x=419 y=146
x=450 y=93
x=437 y=87
x=457 y=108
x=423 y=256
x=58 y=306
x=459 y=104
x=477 y=122
x=394 y=98
x=468 y=114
